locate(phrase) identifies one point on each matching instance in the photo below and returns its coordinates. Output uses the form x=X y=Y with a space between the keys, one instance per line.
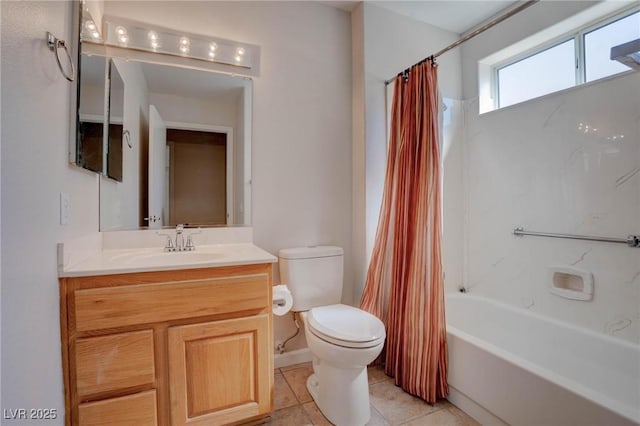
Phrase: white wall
x=532 y=165
x=301 y=143
x=1 y=400
x=92 y=99
x=35 y=135
x=120 y=203
x=217 y=111
x=391 y=43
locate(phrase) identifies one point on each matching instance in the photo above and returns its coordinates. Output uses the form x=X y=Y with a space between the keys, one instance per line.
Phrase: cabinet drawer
x=114 y=362
x=110 y=307
x=132 y=410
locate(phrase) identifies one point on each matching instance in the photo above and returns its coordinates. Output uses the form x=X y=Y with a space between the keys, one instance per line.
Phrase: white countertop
x=120 y=261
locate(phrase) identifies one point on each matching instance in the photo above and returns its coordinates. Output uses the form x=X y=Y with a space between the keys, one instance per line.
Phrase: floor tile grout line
x=294 y=392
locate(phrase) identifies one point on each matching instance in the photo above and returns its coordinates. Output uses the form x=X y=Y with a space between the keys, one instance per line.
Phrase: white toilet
x=342 y=339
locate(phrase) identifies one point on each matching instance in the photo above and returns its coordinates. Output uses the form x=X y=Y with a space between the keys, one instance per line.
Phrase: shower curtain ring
x=54 y=45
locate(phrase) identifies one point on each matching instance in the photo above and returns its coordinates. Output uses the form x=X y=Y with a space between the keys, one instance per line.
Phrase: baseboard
x=472 y=408
x=297 y=356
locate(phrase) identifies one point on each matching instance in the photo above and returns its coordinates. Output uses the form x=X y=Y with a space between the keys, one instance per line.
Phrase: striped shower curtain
x=405 y=282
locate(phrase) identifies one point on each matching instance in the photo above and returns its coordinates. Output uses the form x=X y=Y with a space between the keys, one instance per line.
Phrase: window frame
x=578 y=35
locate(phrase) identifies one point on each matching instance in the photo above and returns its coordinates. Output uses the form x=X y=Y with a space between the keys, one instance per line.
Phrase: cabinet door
x=220 y=372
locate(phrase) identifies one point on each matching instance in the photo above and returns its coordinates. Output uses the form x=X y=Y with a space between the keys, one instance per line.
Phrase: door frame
x=228 y=131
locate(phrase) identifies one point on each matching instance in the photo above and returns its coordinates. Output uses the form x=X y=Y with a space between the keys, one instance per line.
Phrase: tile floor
x=293 y=406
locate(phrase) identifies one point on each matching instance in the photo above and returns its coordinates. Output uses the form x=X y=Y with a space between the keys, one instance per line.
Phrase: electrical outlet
x=65 y=209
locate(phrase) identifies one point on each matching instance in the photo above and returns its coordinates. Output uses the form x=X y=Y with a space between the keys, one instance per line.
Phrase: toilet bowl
x=339 y=383
x=342 y=339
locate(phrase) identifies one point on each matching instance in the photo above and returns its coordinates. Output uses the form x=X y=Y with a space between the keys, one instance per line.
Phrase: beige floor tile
x=297 y=379
x=293 y=367
x=316 y=416
x=444 y=417
x=467 y=420
x=376 y=374
x=283 y=395
x=395 y=405
x=292 y=416
x=376 y=418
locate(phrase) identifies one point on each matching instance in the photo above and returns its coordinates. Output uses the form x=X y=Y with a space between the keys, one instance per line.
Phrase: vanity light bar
x=89 y=31
x=161 y=40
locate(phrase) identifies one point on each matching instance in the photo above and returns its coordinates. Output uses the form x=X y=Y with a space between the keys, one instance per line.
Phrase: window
x=545 y=72
x=576 y=58
x=598 y=44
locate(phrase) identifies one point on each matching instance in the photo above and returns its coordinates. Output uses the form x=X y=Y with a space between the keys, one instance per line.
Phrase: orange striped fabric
x=405 y=281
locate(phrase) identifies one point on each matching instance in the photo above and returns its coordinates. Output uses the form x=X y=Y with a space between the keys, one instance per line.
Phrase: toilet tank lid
x=310 y=252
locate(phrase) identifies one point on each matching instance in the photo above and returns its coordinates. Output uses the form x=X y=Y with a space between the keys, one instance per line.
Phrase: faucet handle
x=190 y=246
x=169 y=245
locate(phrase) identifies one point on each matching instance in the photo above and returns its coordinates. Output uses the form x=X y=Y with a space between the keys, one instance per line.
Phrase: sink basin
x=156 y=258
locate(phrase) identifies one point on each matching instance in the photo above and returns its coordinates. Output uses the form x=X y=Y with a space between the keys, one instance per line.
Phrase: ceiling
x=457 y=16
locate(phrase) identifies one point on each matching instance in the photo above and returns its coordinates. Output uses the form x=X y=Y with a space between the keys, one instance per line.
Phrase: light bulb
x=184 y=49
x=240 y=51
x=123 y=38
x=152 y=35
x=184 y=41
x=212 y=54
x=155 y=44
x=95 y=34
x=238 y=58
x=91 y=26
x=213 y=46
x=121 y=30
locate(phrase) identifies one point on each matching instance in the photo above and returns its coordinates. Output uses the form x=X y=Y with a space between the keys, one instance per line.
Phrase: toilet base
x=342 y=395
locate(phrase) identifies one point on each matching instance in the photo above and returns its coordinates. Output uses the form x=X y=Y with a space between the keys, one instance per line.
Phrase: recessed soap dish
x=571 y=283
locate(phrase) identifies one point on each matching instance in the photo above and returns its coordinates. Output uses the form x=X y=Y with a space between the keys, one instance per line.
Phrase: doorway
x=197 y=177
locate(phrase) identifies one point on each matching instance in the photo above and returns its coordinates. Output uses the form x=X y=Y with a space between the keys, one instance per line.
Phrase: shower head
x=628 y=54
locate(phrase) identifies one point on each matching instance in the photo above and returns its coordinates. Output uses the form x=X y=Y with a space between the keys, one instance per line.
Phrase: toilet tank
x=313 y=274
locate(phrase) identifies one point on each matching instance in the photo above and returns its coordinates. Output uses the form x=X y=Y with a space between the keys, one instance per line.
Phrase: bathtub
x=509 y=365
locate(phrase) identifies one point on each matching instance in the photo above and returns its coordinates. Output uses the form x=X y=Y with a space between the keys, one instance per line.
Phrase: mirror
x=91 y=113
x=178 y=146
x=99 y=141
x=115 y=131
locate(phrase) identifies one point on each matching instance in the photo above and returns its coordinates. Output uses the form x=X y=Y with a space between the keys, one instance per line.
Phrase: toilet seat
x=346 y=326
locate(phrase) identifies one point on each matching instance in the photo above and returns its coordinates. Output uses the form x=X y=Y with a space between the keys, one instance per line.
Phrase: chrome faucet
x=179 y=237
x=179 y=240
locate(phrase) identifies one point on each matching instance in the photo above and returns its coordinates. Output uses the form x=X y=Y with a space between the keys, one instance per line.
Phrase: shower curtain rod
x=469 y=36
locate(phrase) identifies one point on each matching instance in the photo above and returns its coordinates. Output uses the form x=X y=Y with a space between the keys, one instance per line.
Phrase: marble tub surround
x=143 y=251
x=389 y=404
x=567 y=162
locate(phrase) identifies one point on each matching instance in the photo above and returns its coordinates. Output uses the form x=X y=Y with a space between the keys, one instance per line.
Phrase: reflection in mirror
x=189 y=160
x=91 y=107
x=116 y=105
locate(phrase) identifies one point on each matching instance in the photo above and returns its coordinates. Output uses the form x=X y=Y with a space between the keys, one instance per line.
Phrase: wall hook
x=54 y=45
x=127 y=137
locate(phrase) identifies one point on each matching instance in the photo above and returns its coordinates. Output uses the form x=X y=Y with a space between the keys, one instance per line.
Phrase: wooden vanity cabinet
x=168 y=348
